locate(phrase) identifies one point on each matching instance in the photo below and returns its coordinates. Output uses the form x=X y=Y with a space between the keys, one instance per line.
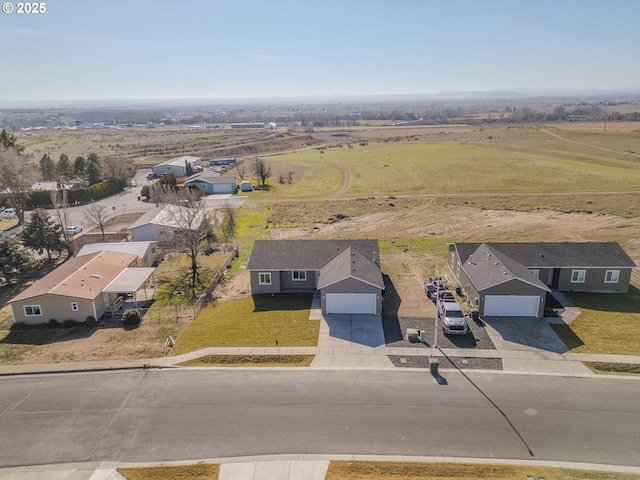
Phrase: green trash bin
x=433 y=365
x=475 y=314
x=423 y=336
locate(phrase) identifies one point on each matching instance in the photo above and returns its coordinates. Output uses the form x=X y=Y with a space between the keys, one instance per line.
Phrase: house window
x=74 y=306
x=264 y=278
x=299 y=275
x=611 y=276
x=32 y=311
x=535 y=273
x=578 y=276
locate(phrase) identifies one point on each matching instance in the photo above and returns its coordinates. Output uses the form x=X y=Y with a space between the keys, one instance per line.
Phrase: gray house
x=211 y=182
x=346 y=272
x=511 y=279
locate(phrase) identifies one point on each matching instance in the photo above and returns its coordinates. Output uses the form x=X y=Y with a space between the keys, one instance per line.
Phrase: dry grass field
x=413 y=188
x=153 y=145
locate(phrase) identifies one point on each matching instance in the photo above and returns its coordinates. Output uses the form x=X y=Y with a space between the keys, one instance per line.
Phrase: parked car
x=151 y=176
x=452 y=317
x=73 y=229
x=8 y=213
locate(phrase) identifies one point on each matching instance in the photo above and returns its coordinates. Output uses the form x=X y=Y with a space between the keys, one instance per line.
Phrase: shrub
x=53 y=323
x=91 y=321
x=131 y=316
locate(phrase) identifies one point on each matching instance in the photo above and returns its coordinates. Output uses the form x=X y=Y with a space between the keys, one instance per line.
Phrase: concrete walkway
x=345 y=342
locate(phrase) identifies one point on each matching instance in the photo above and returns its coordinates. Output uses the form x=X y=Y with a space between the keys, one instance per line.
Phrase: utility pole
x=435 y=330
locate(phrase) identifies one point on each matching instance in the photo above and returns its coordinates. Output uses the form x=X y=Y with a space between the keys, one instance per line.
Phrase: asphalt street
x=165 y=415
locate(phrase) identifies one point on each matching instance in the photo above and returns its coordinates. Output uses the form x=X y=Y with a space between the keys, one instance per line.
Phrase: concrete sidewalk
x=274 y=467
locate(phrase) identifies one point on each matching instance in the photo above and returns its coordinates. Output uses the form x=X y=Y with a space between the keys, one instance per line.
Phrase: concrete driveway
x=349 y=341
x=523 y=334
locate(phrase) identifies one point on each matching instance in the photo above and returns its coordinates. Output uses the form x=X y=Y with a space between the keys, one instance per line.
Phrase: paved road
x=174 y=415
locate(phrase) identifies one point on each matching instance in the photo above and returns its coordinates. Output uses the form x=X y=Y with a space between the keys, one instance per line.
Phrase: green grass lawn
x=250 y=360
x=405 y=168
x=252 y=322
x=608 y=368
x=343 y=470
x=608 y=323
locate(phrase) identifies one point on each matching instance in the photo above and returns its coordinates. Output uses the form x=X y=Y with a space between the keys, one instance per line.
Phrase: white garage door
x=511 y=306
x=222 y=188
x=351 y=303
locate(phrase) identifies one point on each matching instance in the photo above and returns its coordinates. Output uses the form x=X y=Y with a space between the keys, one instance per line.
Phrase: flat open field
x=153 y=145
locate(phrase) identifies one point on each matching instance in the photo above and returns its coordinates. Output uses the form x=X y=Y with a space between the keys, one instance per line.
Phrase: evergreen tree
x=42 y=233
x=48 y=171
x=79 y=166
x=93 y=169
x=64 y=167
x=188 y=168
x=14 y=259
x=9 y=140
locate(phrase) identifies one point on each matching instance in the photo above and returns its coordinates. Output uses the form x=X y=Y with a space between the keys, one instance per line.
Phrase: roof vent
x=95 y=275
x=505 y=273
x=497 y=263
x=542 y=255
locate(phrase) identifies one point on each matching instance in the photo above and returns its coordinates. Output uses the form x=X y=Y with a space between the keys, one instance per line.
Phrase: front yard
x=608 y=323
x=282 y=320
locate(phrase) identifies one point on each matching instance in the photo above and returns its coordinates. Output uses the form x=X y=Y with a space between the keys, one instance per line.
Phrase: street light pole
x=435 y=330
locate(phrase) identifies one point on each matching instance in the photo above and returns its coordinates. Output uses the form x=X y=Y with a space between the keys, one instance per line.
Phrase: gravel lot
x=463 y=363
x=395 y=327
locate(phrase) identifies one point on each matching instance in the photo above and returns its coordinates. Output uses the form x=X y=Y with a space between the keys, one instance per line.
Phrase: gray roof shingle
x=487 y=267
x=350 y=264
x=557 y=254
x=305 y=254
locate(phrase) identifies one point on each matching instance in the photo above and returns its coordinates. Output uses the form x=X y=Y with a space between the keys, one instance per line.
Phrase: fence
x=217 y=276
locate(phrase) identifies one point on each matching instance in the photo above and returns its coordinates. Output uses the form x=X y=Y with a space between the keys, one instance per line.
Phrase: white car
x=73 y=229
x=8 y=213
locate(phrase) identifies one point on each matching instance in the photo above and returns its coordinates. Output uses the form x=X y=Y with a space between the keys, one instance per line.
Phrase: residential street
x=149 y=415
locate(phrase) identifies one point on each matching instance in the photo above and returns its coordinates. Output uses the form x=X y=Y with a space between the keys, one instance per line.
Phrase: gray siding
x=515 y=287
x=352 y=285
x=257 y=289
x=594 y=281
x=288 y=283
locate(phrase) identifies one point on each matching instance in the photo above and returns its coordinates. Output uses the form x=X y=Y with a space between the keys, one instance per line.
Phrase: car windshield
x=454 y=314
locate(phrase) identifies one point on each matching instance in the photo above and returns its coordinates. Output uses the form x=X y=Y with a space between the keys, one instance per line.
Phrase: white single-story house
x=177 y=166
x=161 y=223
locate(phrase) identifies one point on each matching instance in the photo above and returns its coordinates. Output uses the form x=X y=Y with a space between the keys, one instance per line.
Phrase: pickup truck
x=452 y=317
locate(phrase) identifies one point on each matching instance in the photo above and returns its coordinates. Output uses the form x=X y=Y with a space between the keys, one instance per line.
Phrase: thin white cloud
x=32 y=32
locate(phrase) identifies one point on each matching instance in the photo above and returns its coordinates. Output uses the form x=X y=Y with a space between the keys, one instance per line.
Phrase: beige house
x=83 y=287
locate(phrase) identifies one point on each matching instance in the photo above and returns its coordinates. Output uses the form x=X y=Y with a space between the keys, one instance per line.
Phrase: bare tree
x=17 y=175
x=97 y=215
x=241 y=172
x=262 y=169
x=229 y=222
x=116 y=167
x=191 y=227
x=60 y=203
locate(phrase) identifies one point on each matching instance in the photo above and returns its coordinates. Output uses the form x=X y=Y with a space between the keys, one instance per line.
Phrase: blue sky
x=129 y=49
